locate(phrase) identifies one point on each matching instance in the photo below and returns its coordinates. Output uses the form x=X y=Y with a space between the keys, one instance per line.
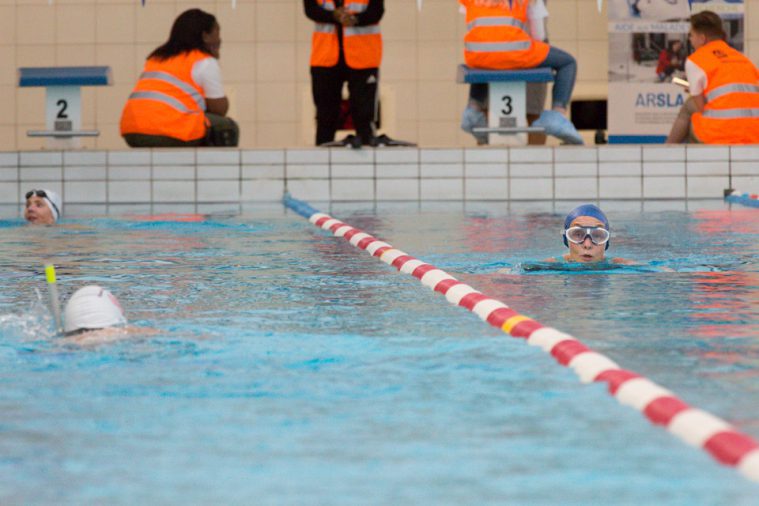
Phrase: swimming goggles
x=577 y=235
x=43 y=195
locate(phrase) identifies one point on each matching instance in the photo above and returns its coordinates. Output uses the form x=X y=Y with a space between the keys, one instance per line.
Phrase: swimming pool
x=290 y=369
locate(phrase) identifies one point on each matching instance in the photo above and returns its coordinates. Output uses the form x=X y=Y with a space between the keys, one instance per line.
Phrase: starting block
x=63 y=100
x=507 y=99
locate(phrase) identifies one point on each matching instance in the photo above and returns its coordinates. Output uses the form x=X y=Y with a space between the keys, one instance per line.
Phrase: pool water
x=291 y=368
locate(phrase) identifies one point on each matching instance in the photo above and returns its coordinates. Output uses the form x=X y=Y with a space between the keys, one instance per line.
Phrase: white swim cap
x=92 y=307
x=52 y=199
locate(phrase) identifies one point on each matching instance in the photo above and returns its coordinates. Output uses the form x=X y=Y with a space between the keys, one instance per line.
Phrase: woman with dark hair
x=179 y=99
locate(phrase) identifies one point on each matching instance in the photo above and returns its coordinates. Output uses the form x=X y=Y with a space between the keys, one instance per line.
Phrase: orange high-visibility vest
x=362 y=44
x=166 y=101
x=498 y=36
x=731 y=113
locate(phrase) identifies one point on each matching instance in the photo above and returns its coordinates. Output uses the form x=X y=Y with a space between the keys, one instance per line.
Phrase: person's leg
x=565 y=67
x=222 y=131
x=476 y=110
x=536 y=99
x=362 y=88
x=327 y=91
x=158 y=141
x=681 y=128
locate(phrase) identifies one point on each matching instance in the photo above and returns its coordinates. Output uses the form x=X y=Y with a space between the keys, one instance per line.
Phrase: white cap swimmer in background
x=52 y=199
x=92 y=307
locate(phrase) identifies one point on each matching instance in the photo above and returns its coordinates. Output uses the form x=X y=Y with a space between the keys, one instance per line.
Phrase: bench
x=63 y=100
x=507 y=121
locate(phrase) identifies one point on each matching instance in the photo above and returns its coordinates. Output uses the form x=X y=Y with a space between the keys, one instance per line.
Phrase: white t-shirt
x=696 y=78
x=537 y=13
x=207 y=74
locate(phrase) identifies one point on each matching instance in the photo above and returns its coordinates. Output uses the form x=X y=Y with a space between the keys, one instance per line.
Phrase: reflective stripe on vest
x=361 y=30
x=330 y=6
x=726 y=89
x=168 y=78
x=494 y=47
x=162 y=97
x=325 y=28
x=356 y=7
x=496 y=21
x=731 y=113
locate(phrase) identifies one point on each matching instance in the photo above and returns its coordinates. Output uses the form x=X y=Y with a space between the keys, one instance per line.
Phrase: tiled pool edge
x=214 y=177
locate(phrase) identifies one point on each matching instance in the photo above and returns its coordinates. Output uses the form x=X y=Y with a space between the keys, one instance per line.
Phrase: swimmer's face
x=37 y=212
x=586 y=251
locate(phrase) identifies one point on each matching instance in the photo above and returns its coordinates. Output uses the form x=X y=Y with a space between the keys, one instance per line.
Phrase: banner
x=648 y=45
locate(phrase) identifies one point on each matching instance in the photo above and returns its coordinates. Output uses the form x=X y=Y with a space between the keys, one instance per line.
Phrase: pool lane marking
x=659 y=405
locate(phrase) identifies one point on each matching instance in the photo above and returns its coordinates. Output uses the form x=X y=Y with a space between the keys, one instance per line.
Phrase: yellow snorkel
x=55 y=303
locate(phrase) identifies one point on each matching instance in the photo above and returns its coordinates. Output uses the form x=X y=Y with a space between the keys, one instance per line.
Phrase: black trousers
x=327 y=89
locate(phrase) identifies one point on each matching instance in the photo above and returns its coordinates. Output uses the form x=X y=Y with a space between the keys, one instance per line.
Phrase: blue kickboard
x=470 y=75
x=64 y=76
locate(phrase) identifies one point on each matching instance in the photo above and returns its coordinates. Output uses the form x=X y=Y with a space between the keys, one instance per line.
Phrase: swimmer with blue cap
x=587 y=234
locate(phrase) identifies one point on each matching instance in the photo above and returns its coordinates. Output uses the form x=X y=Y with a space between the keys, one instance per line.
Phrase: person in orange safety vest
x=179 y=99
x=724 y=86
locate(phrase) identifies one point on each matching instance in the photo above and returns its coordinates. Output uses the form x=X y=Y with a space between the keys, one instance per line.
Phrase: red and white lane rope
x=694 y=426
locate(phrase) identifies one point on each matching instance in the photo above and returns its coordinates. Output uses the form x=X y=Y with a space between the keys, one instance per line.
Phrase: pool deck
x=207 y=180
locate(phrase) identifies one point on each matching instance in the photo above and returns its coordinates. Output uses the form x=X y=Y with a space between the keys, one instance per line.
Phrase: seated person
x=586 y=234
x=498 y=38
x=43 y=207
x=724 y=89
x=179 y=99
x=670 y=59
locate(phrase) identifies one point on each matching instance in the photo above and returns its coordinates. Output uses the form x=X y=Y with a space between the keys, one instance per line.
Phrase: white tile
x=664 y=187
x=530 y=155
x=164 y=207
x=263 y=156
x=218 y=191
x=127 y=209
x=223 y=208
x=746 y=184
x=218 y=171
x=41 y=158
x=737 y=153
x=134 y=157
x=307 y=171
x=719 y=168
x=707 y=187
x=664 y=168
x=660 y=206
x=84 y=173
x=262 y=190
x=396 y=155
x=486 y=170
x=582 y=188
x=84 y=210
x=173 y=191
x=10 y=211
x=263 y=171
x=307 y=156
x=352 y=189
x=620 y=187
x=218 y=157
x=398 y=170
x=173 y=157
x=128 y=191
x=537 y=170
x=84 y=192
x=41 y=173
x=80 y=158
x=575 y=154
x=663 y=153
x=486 y=155
x=55 y=185
x=442 y=189
x=8 y=174
x=397 y=189
x=583 y=169
x=128 y=173
x=619 y=154
x=441 y=155
x=744 y=169
x=353 y=171
x=168 y=172
x=486 y=189
x=10 y=193
x=619 y=169
x=621 y=206
x=9 y=159
x=698 y=153
x=309 y=189
x=351 y=156
x=440 y=170
x=531 y=189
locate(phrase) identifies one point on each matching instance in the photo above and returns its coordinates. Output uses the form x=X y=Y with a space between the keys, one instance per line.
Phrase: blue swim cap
x=585 y=210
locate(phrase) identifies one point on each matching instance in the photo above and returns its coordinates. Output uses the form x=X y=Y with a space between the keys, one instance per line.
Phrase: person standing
x=346 y=47
x=179 y=99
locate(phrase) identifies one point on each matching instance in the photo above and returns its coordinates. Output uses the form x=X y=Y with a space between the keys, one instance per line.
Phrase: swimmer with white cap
x=587 y=234
x=43 y=207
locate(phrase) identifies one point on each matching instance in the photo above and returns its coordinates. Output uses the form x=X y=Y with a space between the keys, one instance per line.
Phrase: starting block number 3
x=508 y=110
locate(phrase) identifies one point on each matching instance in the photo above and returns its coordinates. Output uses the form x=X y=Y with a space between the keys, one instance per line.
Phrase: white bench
x=507 y=98
x=63 y=100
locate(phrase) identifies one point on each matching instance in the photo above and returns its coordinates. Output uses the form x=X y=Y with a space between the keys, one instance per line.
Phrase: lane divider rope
x=747 y=199
x=694 y=426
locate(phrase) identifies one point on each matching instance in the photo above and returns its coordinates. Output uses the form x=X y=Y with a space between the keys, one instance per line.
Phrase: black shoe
x=384 y=140
x=349 y=141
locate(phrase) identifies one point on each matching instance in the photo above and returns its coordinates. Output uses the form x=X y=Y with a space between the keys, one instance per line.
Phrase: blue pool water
x=290 y=368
